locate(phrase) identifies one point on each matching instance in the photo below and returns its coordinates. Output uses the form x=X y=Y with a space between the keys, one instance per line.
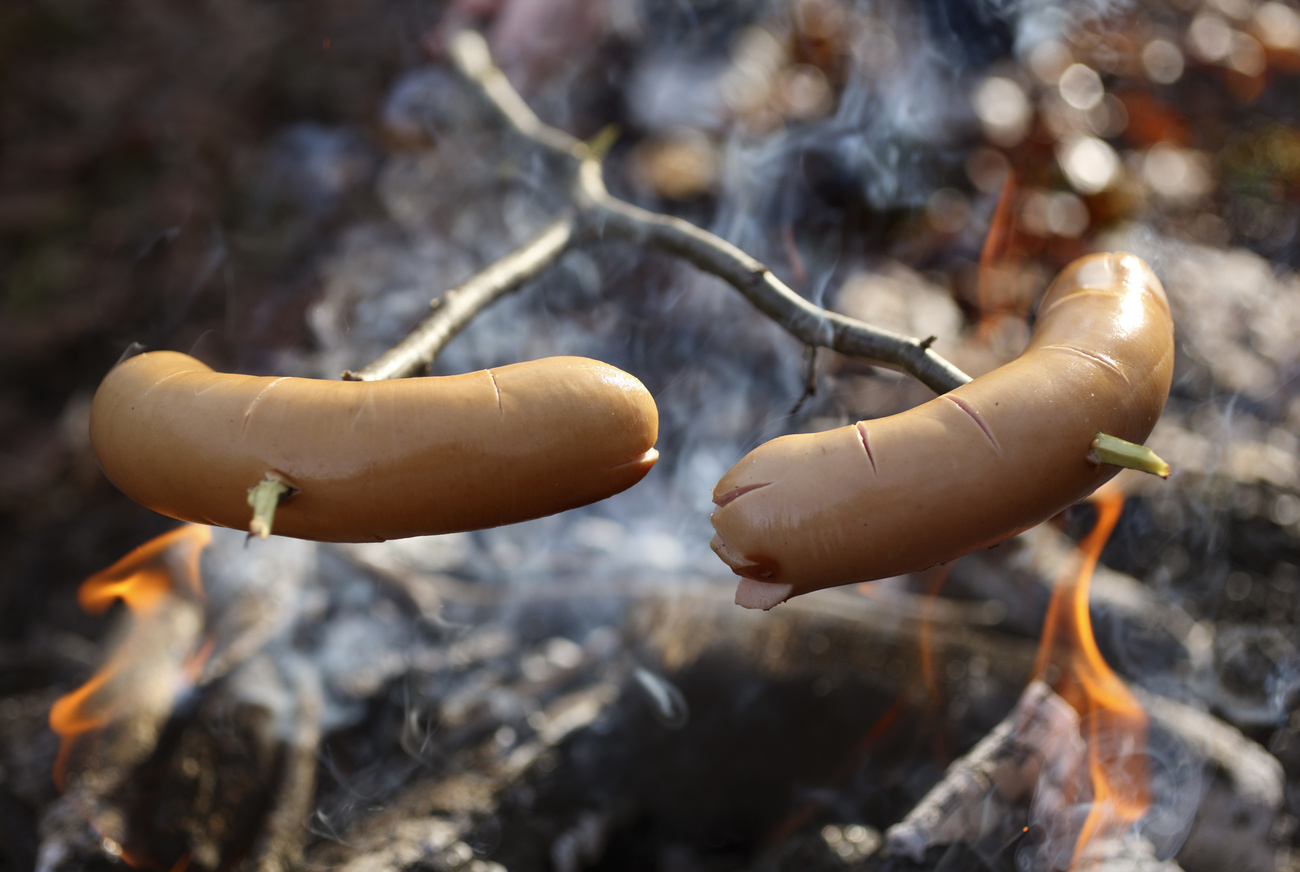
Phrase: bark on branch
x=597 y=215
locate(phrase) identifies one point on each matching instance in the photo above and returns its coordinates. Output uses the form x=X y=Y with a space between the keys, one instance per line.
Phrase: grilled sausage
x=966 y=470
x=373 y=460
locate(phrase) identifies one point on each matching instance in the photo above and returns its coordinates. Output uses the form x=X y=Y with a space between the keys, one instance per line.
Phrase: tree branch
x=599 y=215
x=456 y=308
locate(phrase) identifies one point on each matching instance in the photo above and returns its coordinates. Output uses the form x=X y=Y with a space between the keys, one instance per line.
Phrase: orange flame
x=1114 y=723
x=997 y=257
x=144 y=580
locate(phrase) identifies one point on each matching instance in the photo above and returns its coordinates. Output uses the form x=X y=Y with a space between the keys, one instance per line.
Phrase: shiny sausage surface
x=373 y=460
x=966 y=470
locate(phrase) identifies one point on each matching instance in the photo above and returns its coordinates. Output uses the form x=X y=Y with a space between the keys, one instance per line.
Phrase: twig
x=809 y=378
x=456 y=308
x=601 y=217
x=264 y=497
x=810 y=324
x=1119 y=452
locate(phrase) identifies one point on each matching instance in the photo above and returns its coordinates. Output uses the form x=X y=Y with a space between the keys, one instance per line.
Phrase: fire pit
x=579 y=691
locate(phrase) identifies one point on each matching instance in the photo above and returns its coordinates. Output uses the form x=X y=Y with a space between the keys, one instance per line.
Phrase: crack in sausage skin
x=968 y=469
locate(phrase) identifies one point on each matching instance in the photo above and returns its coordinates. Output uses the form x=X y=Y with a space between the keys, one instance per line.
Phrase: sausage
x=967 y=469
x=373 y=460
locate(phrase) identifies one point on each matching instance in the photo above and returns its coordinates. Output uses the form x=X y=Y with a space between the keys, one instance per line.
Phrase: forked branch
x=599 y=216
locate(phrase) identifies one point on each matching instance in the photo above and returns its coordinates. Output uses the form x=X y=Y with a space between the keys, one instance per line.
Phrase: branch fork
x=597 y=215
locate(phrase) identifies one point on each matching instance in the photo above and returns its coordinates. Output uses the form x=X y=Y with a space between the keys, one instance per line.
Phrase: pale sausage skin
x=373 y=460
x=966 y=470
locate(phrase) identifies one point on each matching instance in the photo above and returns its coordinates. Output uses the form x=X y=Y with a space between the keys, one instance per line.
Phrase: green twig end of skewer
x=265 y=497
x=1118 y=452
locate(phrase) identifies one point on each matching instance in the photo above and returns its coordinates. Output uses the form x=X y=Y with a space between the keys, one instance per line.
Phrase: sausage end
x=756 y=568
x=765 y=595
x=838 y=509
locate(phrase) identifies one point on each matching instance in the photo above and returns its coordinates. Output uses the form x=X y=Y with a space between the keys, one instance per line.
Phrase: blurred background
x=281 y=188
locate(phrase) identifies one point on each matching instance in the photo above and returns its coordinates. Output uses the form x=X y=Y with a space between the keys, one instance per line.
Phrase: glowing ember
x=1113 y=723
x=145 y=580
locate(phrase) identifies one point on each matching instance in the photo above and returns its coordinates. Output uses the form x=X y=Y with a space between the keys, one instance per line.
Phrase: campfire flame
x=1114 y=724
x=145 y=580
x=997 y=259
